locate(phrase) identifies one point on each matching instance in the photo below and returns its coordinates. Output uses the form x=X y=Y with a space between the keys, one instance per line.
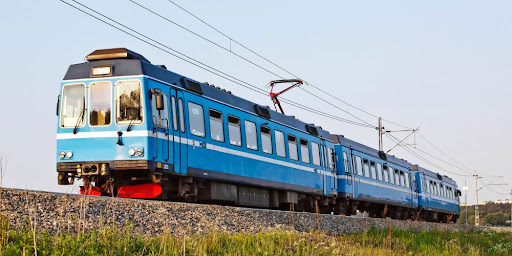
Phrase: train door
x=161 y=126
x=414 y=189
x=349 y=174
x=178 y=131
x=356 y=173
x=327 y=174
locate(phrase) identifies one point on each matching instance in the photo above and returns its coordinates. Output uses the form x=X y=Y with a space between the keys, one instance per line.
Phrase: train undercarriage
x=156 y=185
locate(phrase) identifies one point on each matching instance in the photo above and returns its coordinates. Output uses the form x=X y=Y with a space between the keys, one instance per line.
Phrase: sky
x=442 y=66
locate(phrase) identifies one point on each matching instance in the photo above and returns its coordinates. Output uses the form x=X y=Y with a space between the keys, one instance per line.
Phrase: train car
x=438 y=198
x=129 y=128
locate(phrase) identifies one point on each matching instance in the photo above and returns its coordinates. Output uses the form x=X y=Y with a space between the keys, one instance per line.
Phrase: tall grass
x=115 y=241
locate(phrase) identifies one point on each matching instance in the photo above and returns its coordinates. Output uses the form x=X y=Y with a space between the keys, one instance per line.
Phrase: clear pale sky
x=443 y=66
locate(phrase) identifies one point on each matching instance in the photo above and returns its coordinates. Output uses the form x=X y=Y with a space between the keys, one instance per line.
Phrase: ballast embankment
x=54 y=212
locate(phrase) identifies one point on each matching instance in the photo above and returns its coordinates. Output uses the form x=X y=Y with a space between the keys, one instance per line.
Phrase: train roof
x=124 y=62
x=390 y=158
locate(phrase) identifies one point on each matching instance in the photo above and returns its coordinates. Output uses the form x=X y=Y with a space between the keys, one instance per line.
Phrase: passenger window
x=182 y=115
x=280 y=147
x=129 y=102
x=73 y=105
x=100 y=103
x=196 y=119
x=397 y=178
x=379 y=171
x=366 y=168
x=250 y=135
x=235 y=134
x=391 y=175
x=304 y=150
x=160 y=117
x=216 y=125
x=359 y=166
x=330 y=157
x=292 y=147
x=402 y=180
x=174 y=115
x=407 y=184
x=386 y=173
x=266 y=140
x=372 y=168
x=315 y=151
x=345 y=162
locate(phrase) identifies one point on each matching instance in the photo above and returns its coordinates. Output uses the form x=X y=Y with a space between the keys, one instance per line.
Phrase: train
x=128 y=128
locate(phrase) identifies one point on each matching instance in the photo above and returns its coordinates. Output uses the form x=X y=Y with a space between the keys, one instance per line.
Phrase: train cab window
x=366 y=168
x=345 y=162
x=330 y=158
x=280 y=146
x=397 y=177
x=250 y=135
x=359 y=166
x=391 y=175
x=196 y=119
x=315 y=152
x=372 y=168
x=292 y=147
x=234 y=131
x=174 y=114
x=379 y=171
x=385 y=173
x=402 y=179
x=73 y=105
x=407 y=182
x=100 y=103
x=129 y=102
x=182 y=115
x=304 y=151
x=160 y=117
x=266 y=140
x=216 y=125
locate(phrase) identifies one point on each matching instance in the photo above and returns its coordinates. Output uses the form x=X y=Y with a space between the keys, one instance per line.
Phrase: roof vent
x=115 y=53
x=262 y=111
x=192 y=86
x=311 y=128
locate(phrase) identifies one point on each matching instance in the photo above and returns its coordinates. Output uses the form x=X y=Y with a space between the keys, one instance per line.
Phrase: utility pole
x=477 y=218
x=465 y=188
x=380 y=135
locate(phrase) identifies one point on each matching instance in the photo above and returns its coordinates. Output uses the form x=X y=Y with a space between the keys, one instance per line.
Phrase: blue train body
x=129 y=128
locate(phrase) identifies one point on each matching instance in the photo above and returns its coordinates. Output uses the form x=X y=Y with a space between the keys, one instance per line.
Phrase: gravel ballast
x=54 y=212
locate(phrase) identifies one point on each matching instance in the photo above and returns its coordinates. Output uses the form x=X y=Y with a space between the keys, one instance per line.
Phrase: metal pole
x=380 y=135
x=477 y=218
x=466 y=200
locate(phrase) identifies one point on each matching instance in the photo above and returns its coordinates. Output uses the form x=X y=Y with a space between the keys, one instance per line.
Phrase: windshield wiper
x=130 y=125
x=80 y=119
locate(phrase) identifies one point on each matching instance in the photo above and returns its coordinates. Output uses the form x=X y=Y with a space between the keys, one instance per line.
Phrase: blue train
x=132 y=129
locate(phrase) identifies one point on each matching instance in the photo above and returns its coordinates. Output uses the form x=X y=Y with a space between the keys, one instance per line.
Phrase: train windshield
x=128 y=103
x=100 y=101
x=73 y=105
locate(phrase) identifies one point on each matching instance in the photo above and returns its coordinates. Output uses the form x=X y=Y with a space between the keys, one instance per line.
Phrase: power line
x=198 y=63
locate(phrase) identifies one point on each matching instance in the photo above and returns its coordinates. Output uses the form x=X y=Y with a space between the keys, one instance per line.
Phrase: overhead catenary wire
x=200 y=64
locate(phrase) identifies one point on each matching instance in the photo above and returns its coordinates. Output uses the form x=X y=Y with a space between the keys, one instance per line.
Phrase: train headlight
x=103 y=169
x=79 y=170
x=69 y=154
x=62 y=154
x=131 y=152
x=140 y=152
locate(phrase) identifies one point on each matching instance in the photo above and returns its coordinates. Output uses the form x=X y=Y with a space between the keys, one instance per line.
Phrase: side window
x=196 y=119
x=72 y=105
x=235 y=134
x=407 y=184
x=345 y=162
x=250 y=135
x=292 y=147
x=266 y=140
x=391 y=175
x=441 y=189
x=330 y=157
x=366 y=168
x=174 y=114
x=379 y=171
x=359 y=166
x=386 y=173
x=100 y=103
x=160 y=117
x=216 y=125
x=129 y=102
x=372 y=168
x=182 y=115
x=428 y=185
x=402 y=179
x=280 y=147
x=304 y=150
x=315 y=152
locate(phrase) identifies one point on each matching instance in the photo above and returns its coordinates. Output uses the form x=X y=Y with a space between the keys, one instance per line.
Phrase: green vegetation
x=491 y=214
x=112 y=241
